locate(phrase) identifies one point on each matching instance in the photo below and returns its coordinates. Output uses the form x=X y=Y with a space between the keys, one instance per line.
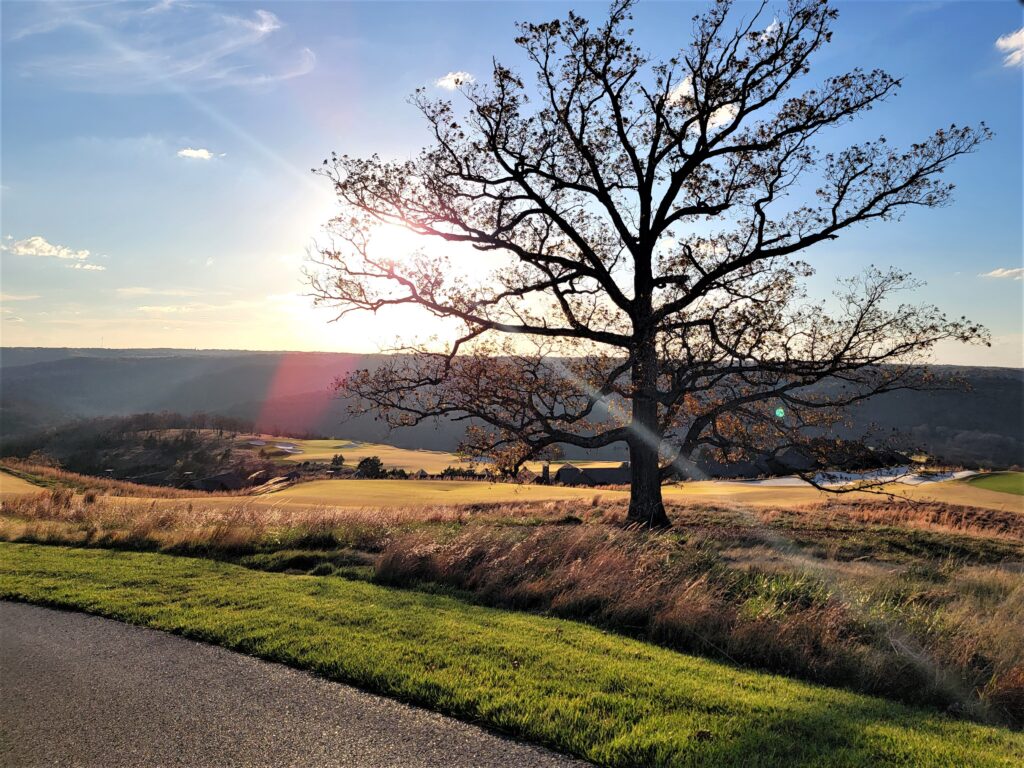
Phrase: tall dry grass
x=760 y=587
x=941 y=633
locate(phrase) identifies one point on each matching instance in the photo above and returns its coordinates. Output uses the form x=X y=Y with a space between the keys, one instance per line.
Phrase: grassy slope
x=1003 y=482
x=353 y=451
x=406 y=493
x=613 y=700
x=11 y=485
x=388 y=493
x=408 y=459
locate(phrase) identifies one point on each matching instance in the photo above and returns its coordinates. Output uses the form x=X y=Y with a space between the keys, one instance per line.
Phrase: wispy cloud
x=198 y=154
x=199 y=307
x=39 y=246
x=1013 y=46
x=1009 y=273
x=18 y=296
x=119 y=48
x=453 y=80
x=88 y=267
x=140 y=290
x=168 y=309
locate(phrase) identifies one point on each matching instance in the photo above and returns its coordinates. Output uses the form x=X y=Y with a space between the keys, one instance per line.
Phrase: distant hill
x=290 y=393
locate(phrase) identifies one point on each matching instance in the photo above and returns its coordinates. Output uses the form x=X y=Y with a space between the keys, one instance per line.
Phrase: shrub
x=371 y=467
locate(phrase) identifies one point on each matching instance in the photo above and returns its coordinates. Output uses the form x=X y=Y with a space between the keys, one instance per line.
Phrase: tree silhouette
x=650 y=217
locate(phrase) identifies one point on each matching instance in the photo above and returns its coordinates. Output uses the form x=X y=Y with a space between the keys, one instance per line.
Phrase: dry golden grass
x=924 y=515
x=920 y=602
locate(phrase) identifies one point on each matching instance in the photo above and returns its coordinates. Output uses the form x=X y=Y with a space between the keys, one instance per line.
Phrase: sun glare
x=395 y=243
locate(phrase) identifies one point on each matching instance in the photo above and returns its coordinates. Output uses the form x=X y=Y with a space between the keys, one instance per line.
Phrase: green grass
x=1004 y=482
x=604 y=697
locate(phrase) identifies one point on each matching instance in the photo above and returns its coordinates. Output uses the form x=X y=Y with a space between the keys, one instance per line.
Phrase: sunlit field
x=1003 y=482
x=11 y=486
x=387 y=493
x=353 y=451
x=409 y=459
x=420 y=493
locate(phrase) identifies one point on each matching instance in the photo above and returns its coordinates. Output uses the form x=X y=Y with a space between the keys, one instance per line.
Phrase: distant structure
x=569 y=474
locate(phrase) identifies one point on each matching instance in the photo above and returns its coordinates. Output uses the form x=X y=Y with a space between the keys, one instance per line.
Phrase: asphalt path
x=85 y=691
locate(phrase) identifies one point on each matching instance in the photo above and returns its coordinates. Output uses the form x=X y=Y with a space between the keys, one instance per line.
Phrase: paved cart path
x=82 y=690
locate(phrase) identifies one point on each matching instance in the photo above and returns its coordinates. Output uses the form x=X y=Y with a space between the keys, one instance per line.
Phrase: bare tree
x=649 y=216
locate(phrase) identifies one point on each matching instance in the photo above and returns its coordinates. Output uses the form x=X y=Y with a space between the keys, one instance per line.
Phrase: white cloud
x=771 y=31
x=88 y=267
x=139 y=290
x=723 y=116
x=38 y=246
x=453 y=80
x=167 y=309
x=18 y=296
x=1013 y=46
x=199 y=307
x=130 y=48
x=160 y=7
x=684 y=93
x=198 y=154
x=1012 y=273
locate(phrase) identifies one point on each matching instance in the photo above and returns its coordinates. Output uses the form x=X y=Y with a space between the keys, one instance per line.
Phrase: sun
x=395 y=243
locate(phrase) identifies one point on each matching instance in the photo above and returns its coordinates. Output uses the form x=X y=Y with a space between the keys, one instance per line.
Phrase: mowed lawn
x=1001 y=482
x=601 y=696
x=354 y=451
x=16 y=486
x=411 y=460
x=423 y=493
x=412 y=493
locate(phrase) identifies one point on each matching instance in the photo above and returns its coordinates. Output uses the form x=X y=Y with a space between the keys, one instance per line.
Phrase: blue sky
x=172 y=142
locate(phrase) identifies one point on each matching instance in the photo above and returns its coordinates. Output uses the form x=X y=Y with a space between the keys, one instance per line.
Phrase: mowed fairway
x=425 y=493
x=11 y=486
x=949 y=492
x=409 y=459
x=1003 y=482
x=416 y=493
x=354 y=451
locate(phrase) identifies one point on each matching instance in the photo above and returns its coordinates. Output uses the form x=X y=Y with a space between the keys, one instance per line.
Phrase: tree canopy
x=653 y=220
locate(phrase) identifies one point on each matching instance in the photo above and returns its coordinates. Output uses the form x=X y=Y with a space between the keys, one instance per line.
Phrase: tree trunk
x=645 y=505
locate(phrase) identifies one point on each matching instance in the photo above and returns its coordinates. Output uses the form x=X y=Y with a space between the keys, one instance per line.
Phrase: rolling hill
x=290 y=393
